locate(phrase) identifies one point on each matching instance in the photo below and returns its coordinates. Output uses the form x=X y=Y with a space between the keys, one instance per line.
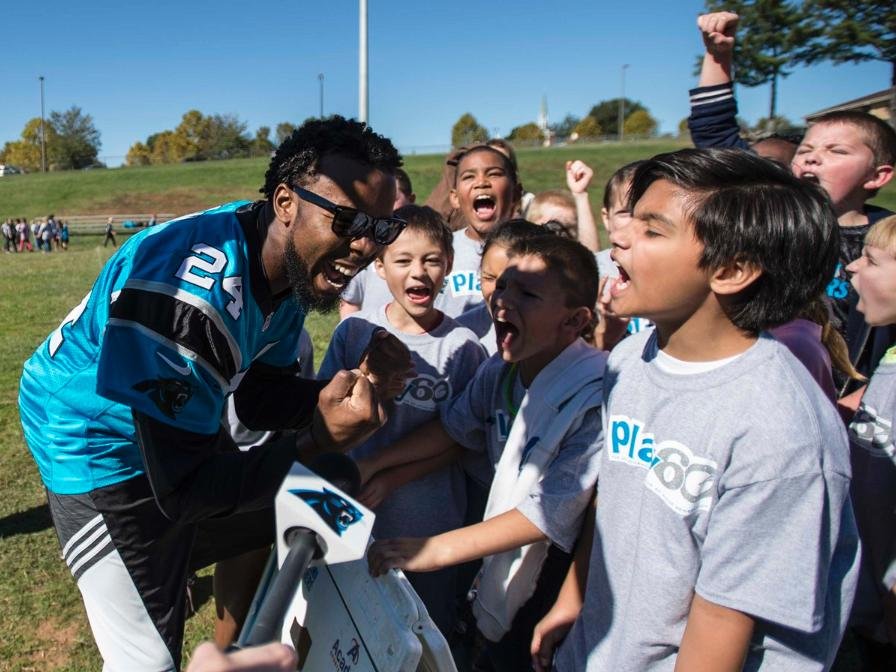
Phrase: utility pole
x=362 y=61
x=43 y=135
x=320 y=78
x=622 y=106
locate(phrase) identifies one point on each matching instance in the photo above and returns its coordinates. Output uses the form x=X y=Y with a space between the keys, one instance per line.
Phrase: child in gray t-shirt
x=534 y=410
x=724 y=537
x=874 y=453
x=445 y=356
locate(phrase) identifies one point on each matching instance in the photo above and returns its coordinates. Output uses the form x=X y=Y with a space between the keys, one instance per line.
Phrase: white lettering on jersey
x=205 y=259
x=57 y=338
x=234 y=286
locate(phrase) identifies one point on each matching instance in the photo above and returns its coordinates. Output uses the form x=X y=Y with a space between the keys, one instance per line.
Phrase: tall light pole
x=43 y=135
x=362 y=61
x=622 y=106
x=320 y=78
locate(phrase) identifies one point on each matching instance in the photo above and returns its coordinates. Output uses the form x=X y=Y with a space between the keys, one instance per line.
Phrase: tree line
x=200 y=137
x=71 y=141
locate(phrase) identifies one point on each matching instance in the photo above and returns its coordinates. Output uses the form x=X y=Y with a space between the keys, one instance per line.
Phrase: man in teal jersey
x=121 y=405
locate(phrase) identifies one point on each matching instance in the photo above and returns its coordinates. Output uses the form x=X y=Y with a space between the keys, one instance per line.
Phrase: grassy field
x=42 y=623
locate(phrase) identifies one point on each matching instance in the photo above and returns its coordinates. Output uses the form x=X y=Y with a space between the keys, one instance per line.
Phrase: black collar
x=255 y=222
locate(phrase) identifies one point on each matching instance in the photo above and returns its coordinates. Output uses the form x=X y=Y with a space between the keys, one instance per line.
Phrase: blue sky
x=137 y=67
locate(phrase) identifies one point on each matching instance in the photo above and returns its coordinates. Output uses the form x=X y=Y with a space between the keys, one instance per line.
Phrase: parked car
x=6 y=169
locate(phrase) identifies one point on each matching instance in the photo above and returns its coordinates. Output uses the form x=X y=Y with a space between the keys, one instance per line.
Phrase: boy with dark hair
x=724 y=538
x=534 y=409
x=850 y=154
x=445 y=356
x=121 y=405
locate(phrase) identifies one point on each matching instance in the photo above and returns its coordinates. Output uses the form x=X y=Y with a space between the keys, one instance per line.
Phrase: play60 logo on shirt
x=682 y=480
x=462 y=283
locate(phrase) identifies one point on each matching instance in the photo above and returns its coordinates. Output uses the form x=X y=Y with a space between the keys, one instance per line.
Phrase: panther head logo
x=334 y=509
x=170 y=395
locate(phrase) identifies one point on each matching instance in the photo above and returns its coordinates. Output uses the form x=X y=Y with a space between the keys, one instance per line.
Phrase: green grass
x=42 y=622
x=188 y=187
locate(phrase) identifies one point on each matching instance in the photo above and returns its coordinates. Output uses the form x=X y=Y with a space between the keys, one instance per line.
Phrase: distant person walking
x=110 y=234
x=63 y=235
x=22 y=232
x=9 y=236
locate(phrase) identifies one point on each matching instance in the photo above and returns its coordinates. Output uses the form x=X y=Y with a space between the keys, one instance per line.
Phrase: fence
x=97 y=223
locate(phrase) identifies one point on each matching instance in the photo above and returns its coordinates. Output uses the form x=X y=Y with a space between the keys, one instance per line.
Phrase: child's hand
x=550 y=631
x=717 y=29
x=375 y=490
x=415 y=554
x=578 y=176
x=611 y=327
x=387 y=364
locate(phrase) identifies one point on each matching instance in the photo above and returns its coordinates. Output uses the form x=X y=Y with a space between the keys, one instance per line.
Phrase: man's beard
x=300 y=280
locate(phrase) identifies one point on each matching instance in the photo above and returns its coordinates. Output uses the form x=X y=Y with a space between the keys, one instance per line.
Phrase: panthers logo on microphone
x=337 y=512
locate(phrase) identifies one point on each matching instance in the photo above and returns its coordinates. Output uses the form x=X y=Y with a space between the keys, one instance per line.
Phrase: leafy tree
x=467 y=131
x=563 y=129
x=261 y=144
x=77 y=141
x=640 y=124
x=683 y=130
x=606 y=114
x=851 y=31
x=194 y=135
x=284 y=130
x=139 y=154
x=588 y=127
x=227 y=137
x=526 y=133
x=169 y=147
x=768 y=36
x=25 y=152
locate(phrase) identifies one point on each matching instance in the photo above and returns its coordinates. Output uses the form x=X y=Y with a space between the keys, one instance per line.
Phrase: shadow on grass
x=35 y=519
x=199 y=591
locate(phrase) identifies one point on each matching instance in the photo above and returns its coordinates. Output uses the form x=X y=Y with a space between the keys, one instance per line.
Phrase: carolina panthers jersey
x=171 y=325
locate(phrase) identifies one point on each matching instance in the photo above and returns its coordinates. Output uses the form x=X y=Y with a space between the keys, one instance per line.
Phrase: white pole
x=362 y=61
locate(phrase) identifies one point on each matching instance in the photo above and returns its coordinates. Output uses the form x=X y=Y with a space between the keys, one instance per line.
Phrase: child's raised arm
x=717 y=29
x=385 y=482
x=713 y=118
x=578 y=178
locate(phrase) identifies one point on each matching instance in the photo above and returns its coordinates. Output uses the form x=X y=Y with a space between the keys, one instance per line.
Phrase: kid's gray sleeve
x=557 y=504
x=769 y=548
x=348 y=343
x=466 y=418
x=354 y=293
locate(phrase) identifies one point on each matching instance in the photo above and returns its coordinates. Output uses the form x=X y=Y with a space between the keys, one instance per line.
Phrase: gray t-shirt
x=733 y=483
x=367 y=290
x=461 y=290
x=446 y=360
x=480 y=420
x=874 y=497
x=479 y=321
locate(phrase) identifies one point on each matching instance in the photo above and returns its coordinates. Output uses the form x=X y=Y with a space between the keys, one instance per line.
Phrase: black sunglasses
x=352 y=223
